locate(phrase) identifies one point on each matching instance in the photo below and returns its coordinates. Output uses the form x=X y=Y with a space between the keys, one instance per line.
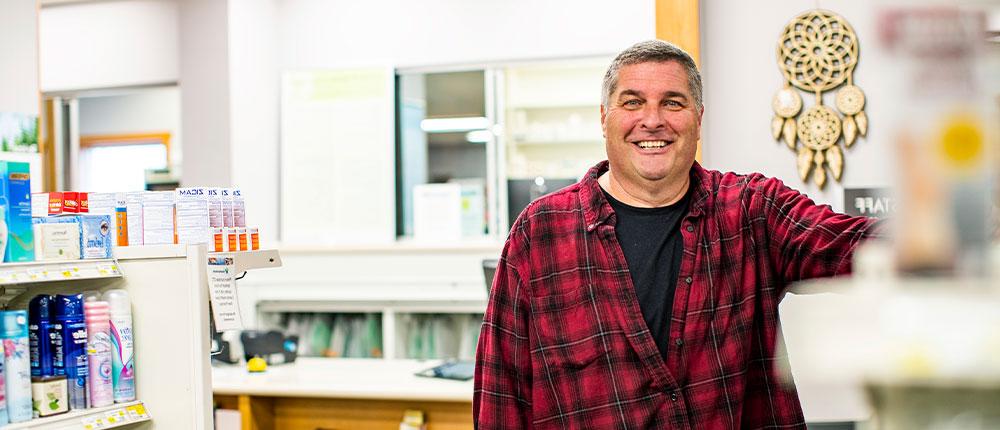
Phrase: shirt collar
x=597 y=210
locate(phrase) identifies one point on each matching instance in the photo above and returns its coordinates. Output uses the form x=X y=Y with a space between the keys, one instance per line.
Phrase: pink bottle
x=99 y=383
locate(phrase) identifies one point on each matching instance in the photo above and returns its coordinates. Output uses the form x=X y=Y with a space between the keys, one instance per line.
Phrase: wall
x=315 y=33
x=741 y=76
x=141 y=111
x=203 y=26
x=253 y=115
x=108 y=44
x=19 y=58
x=151 y=109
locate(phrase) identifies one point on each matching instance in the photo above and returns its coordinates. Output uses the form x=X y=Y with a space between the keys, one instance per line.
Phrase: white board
x=337 y=156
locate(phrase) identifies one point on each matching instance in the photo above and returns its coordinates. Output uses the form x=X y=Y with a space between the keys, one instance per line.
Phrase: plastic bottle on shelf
x=69 y=343
x=4 y=419
x=39 y=329
x=122 y=341
x=99 y=381
x=16 y=364
x=3 y=228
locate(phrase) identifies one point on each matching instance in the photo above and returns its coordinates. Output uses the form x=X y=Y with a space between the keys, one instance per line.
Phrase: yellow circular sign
x=962 y=141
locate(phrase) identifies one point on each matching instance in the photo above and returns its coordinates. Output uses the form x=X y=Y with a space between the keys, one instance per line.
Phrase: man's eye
x=673 y=103
x=632 y=102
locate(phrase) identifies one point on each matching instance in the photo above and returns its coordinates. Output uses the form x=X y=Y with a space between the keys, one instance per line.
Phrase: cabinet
x=168 y=289
x=552 y=118
x=399 y=283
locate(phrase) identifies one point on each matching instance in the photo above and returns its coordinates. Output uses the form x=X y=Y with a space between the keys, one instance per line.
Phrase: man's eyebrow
x=666 y=94
x=673 y=94
x=629 y=92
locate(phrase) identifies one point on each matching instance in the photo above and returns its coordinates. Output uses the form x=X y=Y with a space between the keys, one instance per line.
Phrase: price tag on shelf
x=69 y=272
x=93 y=423
x=37 y=274
x=137 y=412
x=107 y=269
x=115 y=417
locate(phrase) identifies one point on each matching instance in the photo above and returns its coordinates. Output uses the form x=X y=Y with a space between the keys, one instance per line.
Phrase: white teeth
x=652 y=144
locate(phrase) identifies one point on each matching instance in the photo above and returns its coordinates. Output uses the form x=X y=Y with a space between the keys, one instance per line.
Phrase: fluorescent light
x=478 y=136
x=444 y=125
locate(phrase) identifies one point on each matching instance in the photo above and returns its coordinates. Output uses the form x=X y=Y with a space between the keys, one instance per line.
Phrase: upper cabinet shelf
x=57 y=271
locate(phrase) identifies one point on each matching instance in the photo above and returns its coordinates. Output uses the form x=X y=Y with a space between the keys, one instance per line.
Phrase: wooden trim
x=95 y=140
x=679 y=22
x=47 y=145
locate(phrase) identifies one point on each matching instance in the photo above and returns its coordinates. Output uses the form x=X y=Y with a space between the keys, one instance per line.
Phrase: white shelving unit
x=168 y=288
x=109 y=417
x=391 y=280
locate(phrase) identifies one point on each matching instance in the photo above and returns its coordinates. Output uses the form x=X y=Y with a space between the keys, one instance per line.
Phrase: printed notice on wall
x=222 y=292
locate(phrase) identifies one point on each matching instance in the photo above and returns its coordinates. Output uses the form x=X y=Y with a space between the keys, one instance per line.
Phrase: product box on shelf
x=133 y=215
x=57 y=238
x=158 y=218
x=226 y=197
x=16 y=233
x=193 y=218
x=46 y=204
x=92 y=234
x=113 y=205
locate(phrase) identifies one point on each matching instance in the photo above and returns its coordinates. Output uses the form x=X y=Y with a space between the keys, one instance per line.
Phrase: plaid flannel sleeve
x=808 y=240
x=502 y=397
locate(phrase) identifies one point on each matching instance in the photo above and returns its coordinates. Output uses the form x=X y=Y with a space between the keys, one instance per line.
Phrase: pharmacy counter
x=341 y=393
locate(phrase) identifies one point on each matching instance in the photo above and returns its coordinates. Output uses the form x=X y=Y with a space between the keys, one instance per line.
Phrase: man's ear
x=604 y=127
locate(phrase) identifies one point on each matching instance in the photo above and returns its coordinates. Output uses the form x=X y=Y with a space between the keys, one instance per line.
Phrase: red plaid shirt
x=564 y=345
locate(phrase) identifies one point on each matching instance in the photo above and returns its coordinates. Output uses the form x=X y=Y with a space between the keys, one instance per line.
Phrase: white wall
x=203 y=26
x=741 y=75
x=19 y=56
x=253 y=115
x=146 y=110
x=141 y=111
x=108 y=44
x=319 y=33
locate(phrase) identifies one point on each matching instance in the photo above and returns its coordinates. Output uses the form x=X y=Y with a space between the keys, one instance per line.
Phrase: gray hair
x=656 y=51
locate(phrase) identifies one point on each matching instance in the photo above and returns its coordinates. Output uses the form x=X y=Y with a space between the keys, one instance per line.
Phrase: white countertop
x=348 y=378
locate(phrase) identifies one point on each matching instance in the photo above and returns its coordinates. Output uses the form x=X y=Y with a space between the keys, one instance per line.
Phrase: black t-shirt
x=652 y=243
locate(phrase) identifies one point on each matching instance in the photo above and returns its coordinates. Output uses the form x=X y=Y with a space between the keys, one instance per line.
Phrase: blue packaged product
x=39 y=339
x=69 y=346
x=96 y=236
x=15 y=199
x=16 y=364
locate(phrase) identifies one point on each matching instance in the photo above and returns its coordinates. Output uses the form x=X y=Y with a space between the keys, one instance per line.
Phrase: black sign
x=872 y=202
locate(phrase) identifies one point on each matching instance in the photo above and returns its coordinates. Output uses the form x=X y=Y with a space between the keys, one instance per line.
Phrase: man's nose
x=652 y=117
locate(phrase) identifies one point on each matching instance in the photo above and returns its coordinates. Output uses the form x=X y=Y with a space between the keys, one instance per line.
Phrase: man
x=646 y=295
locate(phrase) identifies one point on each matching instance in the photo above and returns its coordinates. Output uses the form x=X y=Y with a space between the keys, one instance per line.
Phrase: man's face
x=651 y=125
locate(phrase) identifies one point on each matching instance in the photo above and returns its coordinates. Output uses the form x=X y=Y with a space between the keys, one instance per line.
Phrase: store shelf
x=151 y=251
x=108 y=417
x=57 y=271
x=250 y=260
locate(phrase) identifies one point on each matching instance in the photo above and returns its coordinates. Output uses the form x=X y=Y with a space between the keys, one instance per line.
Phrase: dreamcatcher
x=818 y=52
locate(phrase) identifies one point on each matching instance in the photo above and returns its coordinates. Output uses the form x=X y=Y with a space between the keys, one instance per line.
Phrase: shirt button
x=690 y=228
x=673 y=396
x=678 y=342
x=688 y=280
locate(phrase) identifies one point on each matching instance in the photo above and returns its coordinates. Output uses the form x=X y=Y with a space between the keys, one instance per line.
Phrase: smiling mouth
x=652 y=144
